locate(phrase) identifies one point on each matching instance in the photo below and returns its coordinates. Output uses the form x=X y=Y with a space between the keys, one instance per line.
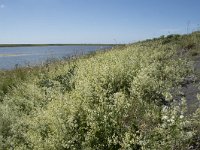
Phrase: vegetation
x=126 y=98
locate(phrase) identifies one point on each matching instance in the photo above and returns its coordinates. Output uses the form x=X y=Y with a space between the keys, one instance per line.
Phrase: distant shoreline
x=30 y=45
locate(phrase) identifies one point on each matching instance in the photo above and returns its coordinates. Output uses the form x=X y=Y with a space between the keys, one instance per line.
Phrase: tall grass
x=124 y=98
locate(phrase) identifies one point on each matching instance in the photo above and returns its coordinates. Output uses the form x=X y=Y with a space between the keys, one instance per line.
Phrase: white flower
x=164 y=117
x=181 y=116
x=172 y=120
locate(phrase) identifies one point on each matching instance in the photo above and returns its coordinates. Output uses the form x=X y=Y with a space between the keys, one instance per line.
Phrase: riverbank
x=28 y=45
x=128 y=97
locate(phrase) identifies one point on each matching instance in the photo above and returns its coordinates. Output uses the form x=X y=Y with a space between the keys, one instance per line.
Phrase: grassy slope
x=119 y=99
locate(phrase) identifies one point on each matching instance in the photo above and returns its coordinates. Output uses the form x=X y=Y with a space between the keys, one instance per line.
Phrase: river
x=10 y=57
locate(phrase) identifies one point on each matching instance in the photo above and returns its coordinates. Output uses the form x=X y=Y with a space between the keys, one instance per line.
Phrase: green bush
x=120 y=99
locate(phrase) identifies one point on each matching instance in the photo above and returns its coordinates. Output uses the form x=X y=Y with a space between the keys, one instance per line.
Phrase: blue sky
x=94 y=21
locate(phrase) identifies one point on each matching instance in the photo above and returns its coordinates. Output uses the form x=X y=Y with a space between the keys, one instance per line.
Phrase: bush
x=120 y=99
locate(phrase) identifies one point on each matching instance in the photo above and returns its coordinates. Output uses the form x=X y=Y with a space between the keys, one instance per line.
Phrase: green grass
x=124 y=98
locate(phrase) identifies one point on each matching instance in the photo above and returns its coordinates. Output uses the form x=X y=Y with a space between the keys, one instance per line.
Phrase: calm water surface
x=23 y=56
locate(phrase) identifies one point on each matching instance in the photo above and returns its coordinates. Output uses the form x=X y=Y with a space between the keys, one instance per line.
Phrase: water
x=23 y=56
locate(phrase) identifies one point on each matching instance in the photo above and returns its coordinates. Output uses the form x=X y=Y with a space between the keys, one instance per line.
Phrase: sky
x=95 y=21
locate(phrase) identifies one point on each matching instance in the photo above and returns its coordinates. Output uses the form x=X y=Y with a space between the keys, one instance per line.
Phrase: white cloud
x=2 y=5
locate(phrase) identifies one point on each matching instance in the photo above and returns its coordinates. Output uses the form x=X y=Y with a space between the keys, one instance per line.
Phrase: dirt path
x=191 y=89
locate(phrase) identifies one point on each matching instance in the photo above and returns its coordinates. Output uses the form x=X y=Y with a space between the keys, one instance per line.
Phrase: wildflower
x=172 y=120
x=165 y=117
